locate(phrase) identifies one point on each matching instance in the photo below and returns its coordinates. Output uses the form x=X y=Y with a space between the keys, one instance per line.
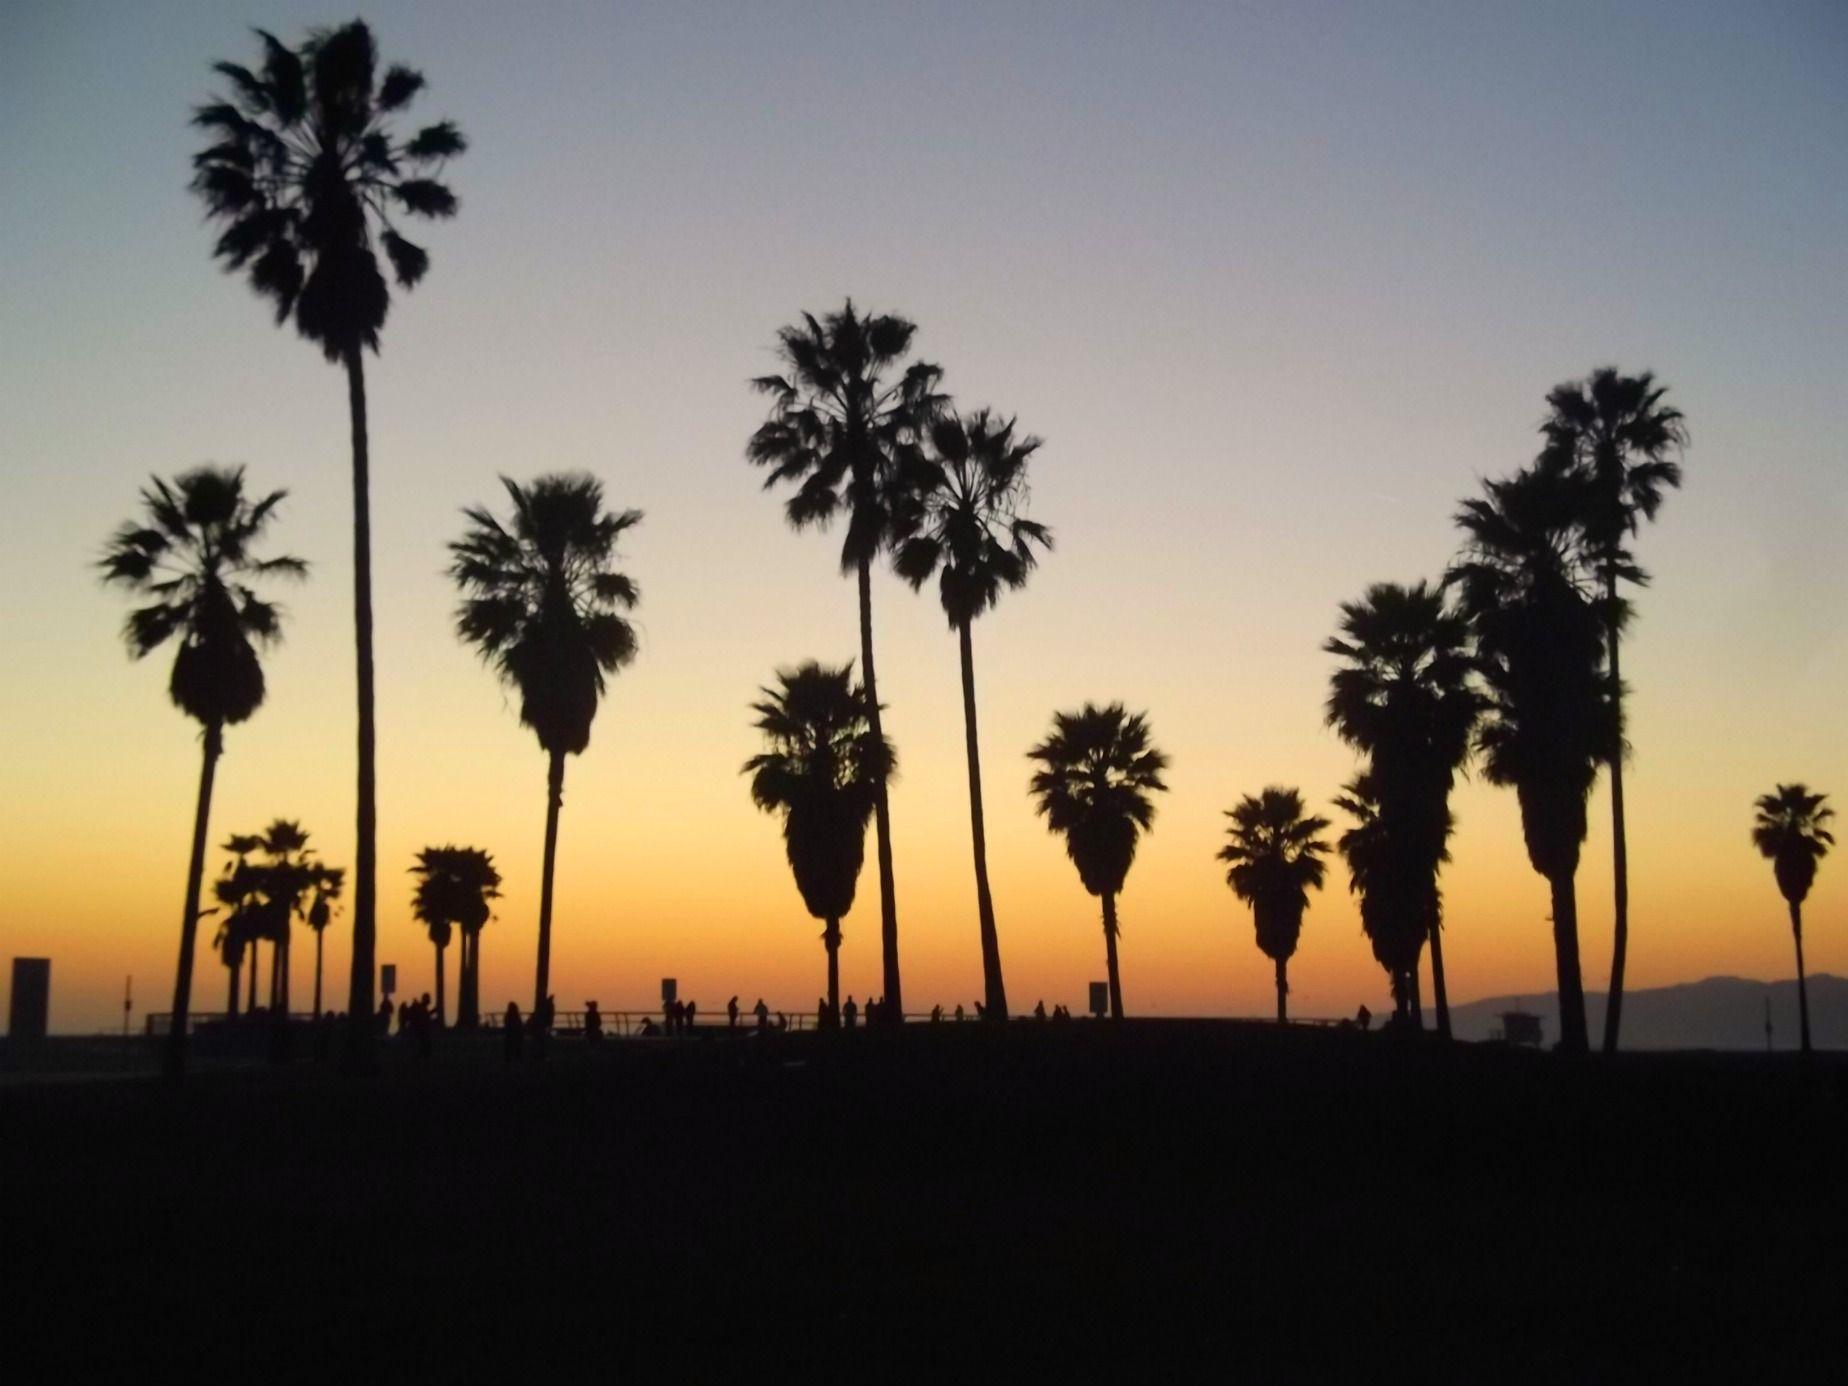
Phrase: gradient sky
x=1276 y=283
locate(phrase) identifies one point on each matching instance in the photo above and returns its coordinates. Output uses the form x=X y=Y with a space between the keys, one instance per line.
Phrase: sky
x=1277 y=284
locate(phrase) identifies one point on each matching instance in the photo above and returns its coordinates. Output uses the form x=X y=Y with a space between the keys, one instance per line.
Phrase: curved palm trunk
x=1572 y=1036
x=1439 y=994
x=1620 y=849
x=175 y=1059
x=441 y=969
x=1283 y=990
x=995 y=992
x=1796 y=929
x=554 y=798
x=361 y=1047
x=831 y=940
x=1110 y=957
x=882 y=813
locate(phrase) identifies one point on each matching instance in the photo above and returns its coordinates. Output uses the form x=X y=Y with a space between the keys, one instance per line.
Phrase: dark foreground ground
x=1154 y=1201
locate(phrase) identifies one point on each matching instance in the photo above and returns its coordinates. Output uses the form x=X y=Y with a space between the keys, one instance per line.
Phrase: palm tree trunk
x=275 y=980
x=831 y=940
x=464 y=1008
x=1110 y=957
x=175 y=1061
x=317 y=973
x=361 y=1055
x=1283 y=990
x=282 y=973
x=992 y=985
x=1439 y=993
x=441 y=968
x=1414 y=996
x=554 y=798
x=882 y=813
x=1796 y=929
x=235 y=969
x=1620 y=849
x=250 y=1002
x=1572 y=1036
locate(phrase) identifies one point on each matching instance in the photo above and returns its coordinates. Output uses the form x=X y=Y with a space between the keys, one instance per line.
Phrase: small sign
x=1100 y=999
x=388 y=978
x=670 y=991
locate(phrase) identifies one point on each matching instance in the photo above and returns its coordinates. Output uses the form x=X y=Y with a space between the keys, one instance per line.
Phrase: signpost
x=388 y=980
x=670 y=991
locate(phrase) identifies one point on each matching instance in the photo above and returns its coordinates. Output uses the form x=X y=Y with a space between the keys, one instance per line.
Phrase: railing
x=157 y=1023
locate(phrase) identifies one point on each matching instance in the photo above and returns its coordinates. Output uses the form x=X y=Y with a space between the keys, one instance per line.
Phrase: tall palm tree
x=1403 y=697
x=1276 y=856
x=1400 y=904
x=845 y=416
x=306 y=173
x=327 y=883
x=1789 y=831
x=822 y=773
x=1549 y=722
x=545 y=606
x=192 y=557
x=1096 y=772
x=1619 y=432
x=454 y=887
x=964 y=524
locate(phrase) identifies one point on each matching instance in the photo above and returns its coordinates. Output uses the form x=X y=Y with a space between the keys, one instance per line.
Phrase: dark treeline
x=1510 y=662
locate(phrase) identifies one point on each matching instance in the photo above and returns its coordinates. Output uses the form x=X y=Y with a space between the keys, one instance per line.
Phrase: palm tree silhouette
x=1617 y=430
x=1097 y=771
x=1403 y=698
x=236 y=891
x=545 y=607
x=454 y=887
x=1789 y=831
x=822 y=772
x=305 y=173
x=964 y=524
x=1400 y=905
x=845 y=416
x=326 y=883
x=288 y=876
x=1276 y=860
x=1549 y=722
x=192 y=558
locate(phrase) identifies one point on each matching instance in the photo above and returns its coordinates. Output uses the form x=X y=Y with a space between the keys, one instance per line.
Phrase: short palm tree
x=964 y=525
x=846 y=413
x=192 y=557
x=1790 y=830
x=1549 y=722
x=545 y=606
x=1096 y=772
x=821 y=773
x=1400 y=903
x=1404 y=698
x=237 y=892
x=326 y=885
x=1619 y=432
x=306 y=174
x=1275 y=857
x=289 y=875
x=454 y=888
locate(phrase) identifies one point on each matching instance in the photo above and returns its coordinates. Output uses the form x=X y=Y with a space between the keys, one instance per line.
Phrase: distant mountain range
x=1715 y=1013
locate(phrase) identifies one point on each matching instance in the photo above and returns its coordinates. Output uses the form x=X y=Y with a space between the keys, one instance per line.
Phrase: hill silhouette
x=1713 y=1013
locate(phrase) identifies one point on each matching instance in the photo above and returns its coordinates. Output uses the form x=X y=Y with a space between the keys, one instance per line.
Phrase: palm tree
x=289 y=874
x=965 y=525
x=1403 y=697
x=1617 y=430
x=1789 y=830
x=844 y=419
x=822 y=772
x=1276 y=860
x=1096 y=772
x=326 y=885
x=192 y=557
x=305 y=174
x=1549 y=722
x=1400 y=905
x=453 y=890
x=236 y=891
x=544 y=606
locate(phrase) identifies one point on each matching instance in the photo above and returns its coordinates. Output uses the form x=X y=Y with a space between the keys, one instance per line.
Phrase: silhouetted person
x=1363 y=1017
x=593 y=1022
x=404 y=1018
x=731 y=1013
x=981 y=1011
x=420 y=1025
x=936 y=1014
x=762 y=1012
x=959 y=1012
x=513 y=1033
x=384 y=1015
x=649 y=1029
x=1039 y=1009
x=690 y=1017
x=850 y=1012
x=540 y=1023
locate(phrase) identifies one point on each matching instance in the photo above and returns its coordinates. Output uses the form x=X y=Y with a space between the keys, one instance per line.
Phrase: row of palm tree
x=272 y=880
x=455 y=890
